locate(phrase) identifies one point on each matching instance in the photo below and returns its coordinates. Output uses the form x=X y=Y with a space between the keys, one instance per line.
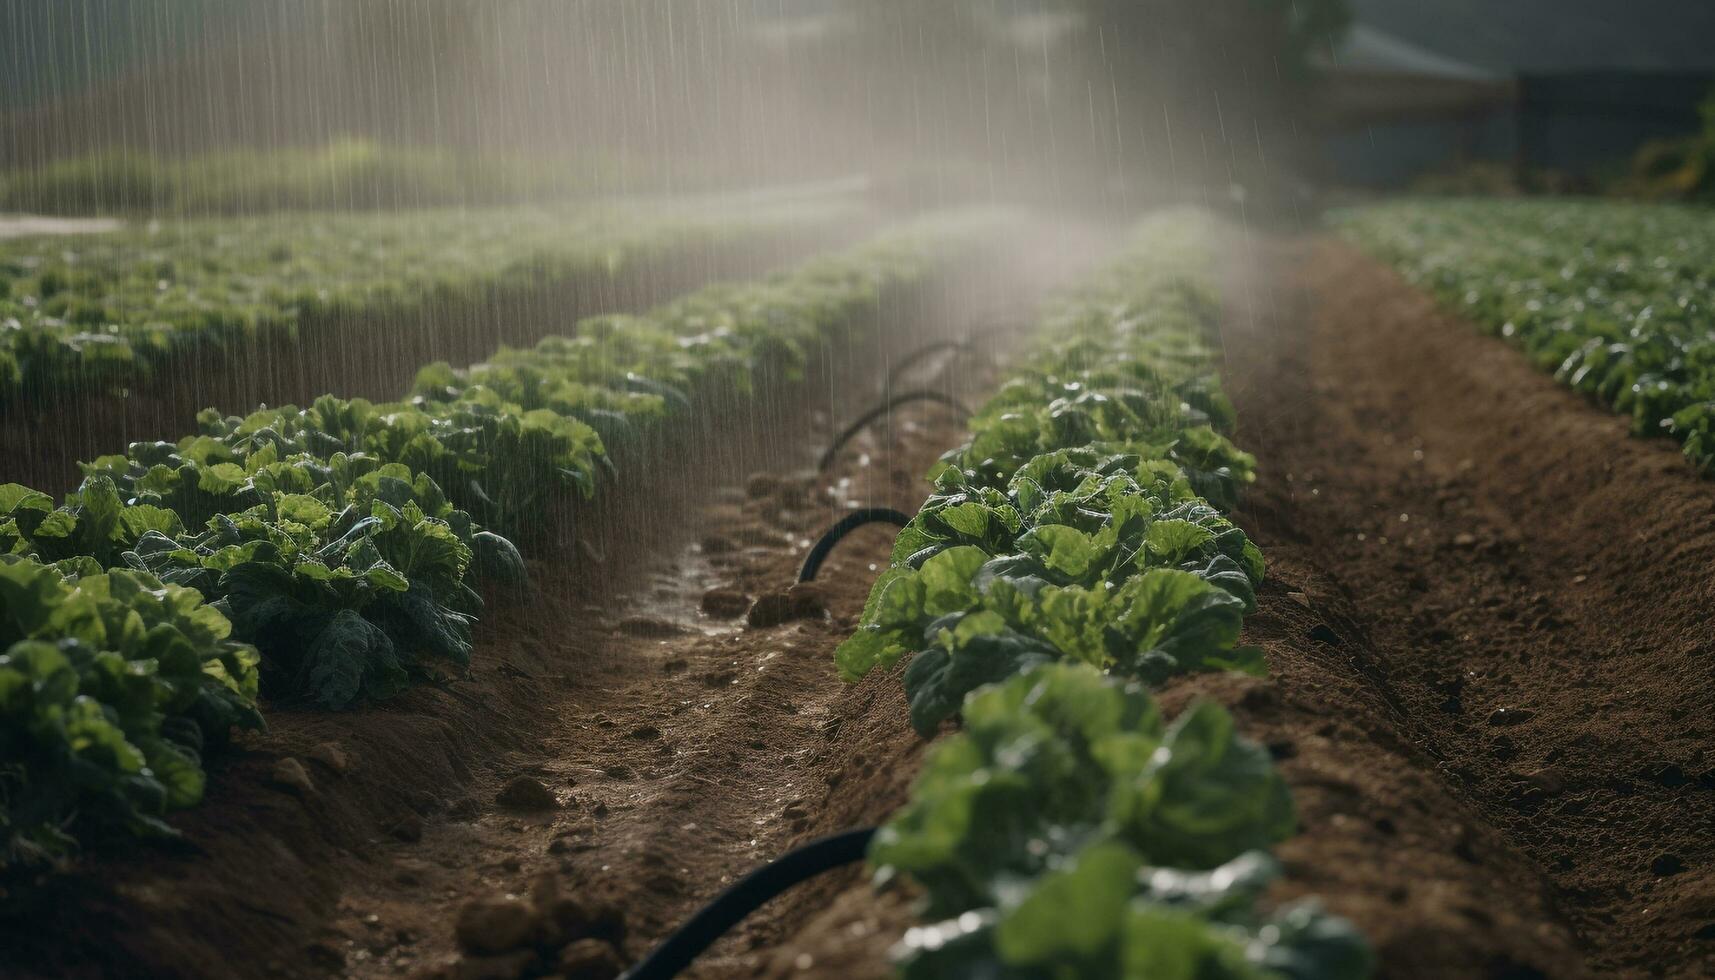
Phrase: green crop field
x=857 y=489
x=316 y=549
x=112 y=309
x=1616 y=299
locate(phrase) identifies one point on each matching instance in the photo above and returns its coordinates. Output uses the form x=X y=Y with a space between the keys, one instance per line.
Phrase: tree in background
x=1098 y=100
x=1132 y=93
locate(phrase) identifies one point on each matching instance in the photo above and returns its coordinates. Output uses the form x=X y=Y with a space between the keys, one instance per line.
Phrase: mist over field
x=856 y=489
x=1083 y=101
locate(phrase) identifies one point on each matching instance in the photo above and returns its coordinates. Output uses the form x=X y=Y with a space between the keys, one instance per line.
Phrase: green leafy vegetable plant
x=347 y=579
x=1077 y=522
x=1075 y=549
x=1070 y=831
x=112 y=685
x=1612 y=297
x=112 y=308
x=339 y=539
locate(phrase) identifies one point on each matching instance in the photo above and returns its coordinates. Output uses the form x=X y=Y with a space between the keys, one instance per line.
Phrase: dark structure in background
x=1572 y=122
x=1570 y=88
x=1386 y=127
x=1389 y=111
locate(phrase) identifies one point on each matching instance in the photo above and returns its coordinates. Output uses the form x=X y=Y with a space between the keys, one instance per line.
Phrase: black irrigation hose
x=746 y=896
x=921 y=353
x=842 y=527
x=878 y=411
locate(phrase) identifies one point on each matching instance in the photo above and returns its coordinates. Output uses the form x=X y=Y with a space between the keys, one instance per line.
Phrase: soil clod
x=652 y=627
x=289 y=774
x=332 y=755
x=526 y=793
x=805 y=600
x=589 y=959
x=1667 y=864
x=497 y=924
x=725 y=603
x=408 y=828
x=718 y=544
x=1506 y=716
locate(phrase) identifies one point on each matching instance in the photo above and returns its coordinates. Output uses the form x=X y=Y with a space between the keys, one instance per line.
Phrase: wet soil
x=675 y=747
x=1521 y=589
x=1491 y=690
x=1488 y=625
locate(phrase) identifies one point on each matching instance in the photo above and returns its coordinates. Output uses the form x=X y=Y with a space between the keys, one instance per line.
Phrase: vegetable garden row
x=1614 y=298
x=345 y=174
x=332 y=554
x=112 y=310
x=1075 y=551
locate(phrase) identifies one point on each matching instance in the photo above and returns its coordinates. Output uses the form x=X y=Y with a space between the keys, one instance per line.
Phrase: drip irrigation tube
x=842 y=527
x=922 y=352
x=887 y=405
x=746 y=896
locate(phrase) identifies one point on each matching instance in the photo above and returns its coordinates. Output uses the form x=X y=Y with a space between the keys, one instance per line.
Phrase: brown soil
x=1523 y=592
x=1494 y=713
x=681 y=749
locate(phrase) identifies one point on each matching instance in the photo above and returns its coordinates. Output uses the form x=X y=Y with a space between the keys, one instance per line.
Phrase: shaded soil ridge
x=1520 y=589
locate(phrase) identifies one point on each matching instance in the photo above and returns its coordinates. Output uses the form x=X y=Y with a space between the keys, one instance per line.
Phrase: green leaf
x=1166 y=943
x=383 y=576
x=1064 y=550
x=1072 y=912
x=859 y=653
x=946 y=580
x=1175 y=622
x=15 y=498
x=221 y=478
x=969 y=519
x=497 y=560
x=979 y=651
x=1172 y=540
x=349 y=660
x=303 y=509
x=1207 y=795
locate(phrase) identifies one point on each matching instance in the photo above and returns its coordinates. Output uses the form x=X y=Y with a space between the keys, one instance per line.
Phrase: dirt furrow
x=1382 y=839
x=699 y=747
x=1519 y=590
x=663 y=748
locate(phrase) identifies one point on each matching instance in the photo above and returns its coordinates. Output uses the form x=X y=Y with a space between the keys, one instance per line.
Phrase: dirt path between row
x=665 y=748
x=1491 y=681
x=700 y=747
x=1509 y=601
x=1493 y=711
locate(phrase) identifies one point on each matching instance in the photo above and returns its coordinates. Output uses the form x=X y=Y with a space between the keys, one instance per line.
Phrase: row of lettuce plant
x=313 y=555
x=109 y=309
x=1075 y=551
x=1613 y=297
